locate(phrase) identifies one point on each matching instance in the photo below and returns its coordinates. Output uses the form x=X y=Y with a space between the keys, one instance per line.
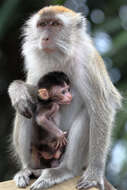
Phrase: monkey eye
x=55 y=23
x=43 y=24
x=63 y=91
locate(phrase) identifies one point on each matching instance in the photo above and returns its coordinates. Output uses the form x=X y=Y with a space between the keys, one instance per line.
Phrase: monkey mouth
x=48 y=50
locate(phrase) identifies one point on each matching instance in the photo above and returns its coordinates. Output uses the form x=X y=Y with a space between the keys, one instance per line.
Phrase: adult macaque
x=55 y=38
x=49 y=141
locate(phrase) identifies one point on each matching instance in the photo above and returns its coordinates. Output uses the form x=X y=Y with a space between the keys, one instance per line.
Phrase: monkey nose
x=46 y=39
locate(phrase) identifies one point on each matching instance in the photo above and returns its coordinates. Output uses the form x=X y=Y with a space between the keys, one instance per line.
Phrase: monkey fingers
x=22 y=178
x=25 y=109
x=61 y=141
x=57 y=145
x=86 y=184
x=64 y=141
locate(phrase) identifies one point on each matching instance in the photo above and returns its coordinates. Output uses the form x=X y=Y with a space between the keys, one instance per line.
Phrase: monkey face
x=61 y=94
x=53 y=30
x=49 y=29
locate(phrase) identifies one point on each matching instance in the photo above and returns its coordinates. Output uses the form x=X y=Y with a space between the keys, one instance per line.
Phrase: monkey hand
x=25 y=108
x=90 y=179
x=61 y=140
x=22 y=178
x=21 y=99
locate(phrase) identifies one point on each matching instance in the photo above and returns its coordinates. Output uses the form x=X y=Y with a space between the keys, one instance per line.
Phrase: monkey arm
x=23 y=97
x=101 y=99
x=43 y=120
x=48 y=125
x=53 y=111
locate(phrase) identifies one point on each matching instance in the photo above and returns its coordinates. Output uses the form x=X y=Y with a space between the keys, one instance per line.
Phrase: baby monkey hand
x=61 y=139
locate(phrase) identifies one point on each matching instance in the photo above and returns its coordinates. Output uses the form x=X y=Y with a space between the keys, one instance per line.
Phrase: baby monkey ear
x=43 y=93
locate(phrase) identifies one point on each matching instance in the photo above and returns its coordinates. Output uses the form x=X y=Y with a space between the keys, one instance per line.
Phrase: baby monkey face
x=61 y=94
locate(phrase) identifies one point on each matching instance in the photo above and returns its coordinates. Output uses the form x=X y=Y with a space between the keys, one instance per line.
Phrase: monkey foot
x=84 y=183
x=22 y=178
x=50 y=177
x=87 y=185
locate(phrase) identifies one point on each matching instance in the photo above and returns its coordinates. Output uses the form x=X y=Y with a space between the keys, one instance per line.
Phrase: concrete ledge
x=67 y=185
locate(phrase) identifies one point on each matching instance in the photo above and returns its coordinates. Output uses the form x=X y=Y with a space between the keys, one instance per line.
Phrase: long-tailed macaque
x=55 y=38
x=53 y=91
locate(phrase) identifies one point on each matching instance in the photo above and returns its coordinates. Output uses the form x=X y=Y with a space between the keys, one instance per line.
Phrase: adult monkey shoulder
x=55 y=39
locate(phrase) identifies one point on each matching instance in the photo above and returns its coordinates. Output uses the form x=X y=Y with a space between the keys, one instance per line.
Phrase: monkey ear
x=81 y=22
x=43 y=93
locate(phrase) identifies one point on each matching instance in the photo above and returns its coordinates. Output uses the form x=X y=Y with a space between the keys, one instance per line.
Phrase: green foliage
x=58 y=2
x=8 y=12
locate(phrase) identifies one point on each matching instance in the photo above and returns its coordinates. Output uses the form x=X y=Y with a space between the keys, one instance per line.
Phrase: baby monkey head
x=55 y=86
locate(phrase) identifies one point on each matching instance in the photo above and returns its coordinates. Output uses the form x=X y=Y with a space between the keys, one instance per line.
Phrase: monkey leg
x=35 y=158
x=72 y=164
x=22 y=136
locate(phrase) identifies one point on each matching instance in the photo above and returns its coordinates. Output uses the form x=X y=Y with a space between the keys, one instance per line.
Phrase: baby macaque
x=53 y=91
